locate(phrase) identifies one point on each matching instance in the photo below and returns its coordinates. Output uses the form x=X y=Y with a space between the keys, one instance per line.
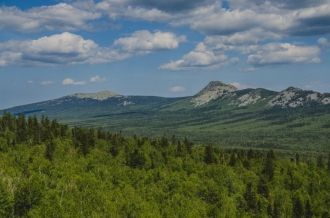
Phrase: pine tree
x=308 y=210
x=209 y=155
x=298 y=209
x=320 y=161
x=233 y=159
x=26 y=197
x=21 y=128
x=329 y=162
x=251 y=198
x=277 y=209
x=188 y=145
x=263 y=188
x=269 y=166
x=297 y=158
x=179 y=149
x=50 y=149
x=136 y=159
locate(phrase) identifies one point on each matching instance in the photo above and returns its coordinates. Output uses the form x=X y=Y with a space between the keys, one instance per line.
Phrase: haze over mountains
x=219 y=112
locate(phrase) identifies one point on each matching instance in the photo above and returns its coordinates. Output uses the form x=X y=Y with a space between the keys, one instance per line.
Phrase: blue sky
x=49 y=49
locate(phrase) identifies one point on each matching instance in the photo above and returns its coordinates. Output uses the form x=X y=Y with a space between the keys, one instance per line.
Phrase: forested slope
x=50 y=170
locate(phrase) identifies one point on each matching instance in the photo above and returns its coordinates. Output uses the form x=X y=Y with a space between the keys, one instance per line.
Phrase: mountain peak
x=100 y=96
x=216 y=85
x=292 y=89
x=214 y=90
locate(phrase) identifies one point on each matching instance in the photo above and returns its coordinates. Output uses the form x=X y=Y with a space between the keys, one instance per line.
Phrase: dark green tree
x=26 y=197
x=297 y=158
x=263 y=187
x=50 y=149
x=233 y=159
x=298 y=208
x=269 y=165
x=6 y=206
x=209 y=155
x=329 y=162
x=319 y=162
x=308 y=210
x=277 y=209
x=188 y=145
x=251 y=198
x=136 y=159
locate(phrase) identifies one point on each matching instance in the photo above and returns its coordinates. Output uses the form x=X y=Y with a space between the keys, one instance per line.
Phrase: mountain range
x=219 y=113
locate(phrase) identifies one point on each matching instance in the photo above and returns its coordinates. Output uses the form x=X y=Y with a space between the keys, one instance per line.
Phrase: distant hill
x=219 y=113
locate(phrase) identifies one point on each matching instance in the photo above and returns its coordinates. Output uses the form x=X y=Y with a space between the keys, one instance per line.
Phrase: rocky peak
x=100 y=96
x=294 y=97
x=214 y=90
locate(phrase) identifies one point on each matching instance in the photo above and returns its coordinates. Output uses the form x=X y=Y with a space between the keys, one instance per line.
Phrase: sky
x=169 y=48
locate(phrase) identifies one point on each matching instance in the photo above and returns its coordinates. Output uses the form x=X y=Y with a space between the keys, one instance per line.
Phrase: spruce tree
x=308 y=210
x=298 y=209
x=320 y=161
x=251 y=198
x=269 y=166
x=50 y=149
x=209 y=155
x=329 y=162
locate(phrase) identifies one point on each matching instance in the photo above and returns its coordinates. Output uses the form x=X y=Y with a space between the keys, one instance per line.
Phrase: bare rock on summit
x=100 y=96
x=214 y=90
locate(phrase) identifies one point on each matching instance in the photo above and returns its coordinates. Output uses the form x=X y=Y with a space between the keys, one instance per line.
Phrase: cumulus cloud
x=65 y=48
x=60 y=16
x=121 y=9
x=284 y=53
x=97 y=78
x=68 y=48
x=281 y=4
x=201 y=56
x=160 y=10
x=177 y=89
x=69 y=81
x=146 y=41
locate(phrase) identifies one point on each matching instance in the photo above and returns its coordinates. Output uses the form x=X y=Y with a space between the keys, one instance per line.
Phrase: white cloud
x=146 y=41
x=97 y=78
x=69 y=81
x=118 y=9
x=284 y=53
x=68 y=48
x=64 y=48
x=177 y=89
x=60 y=16
x=201 y=56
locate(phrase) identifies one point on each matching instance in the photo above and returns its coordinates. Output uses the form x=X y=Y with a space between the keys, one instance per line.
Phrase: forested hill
x=219 y=114
x=50 y=170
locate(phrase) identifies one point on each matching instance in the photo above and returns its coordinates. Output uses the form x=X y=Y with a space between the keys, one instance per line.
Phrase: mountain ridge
x=217 y=114
x=214 y=91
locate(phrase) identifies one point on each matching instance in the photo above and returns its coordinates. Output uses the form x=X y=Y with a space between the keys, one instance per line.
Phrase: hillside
x=50 y=170
x=219 y=114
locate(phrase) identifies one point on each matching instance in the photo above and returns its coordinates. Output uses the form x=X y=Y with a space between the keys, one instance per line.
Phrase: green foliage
x=53 y=171
x=6 y=205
